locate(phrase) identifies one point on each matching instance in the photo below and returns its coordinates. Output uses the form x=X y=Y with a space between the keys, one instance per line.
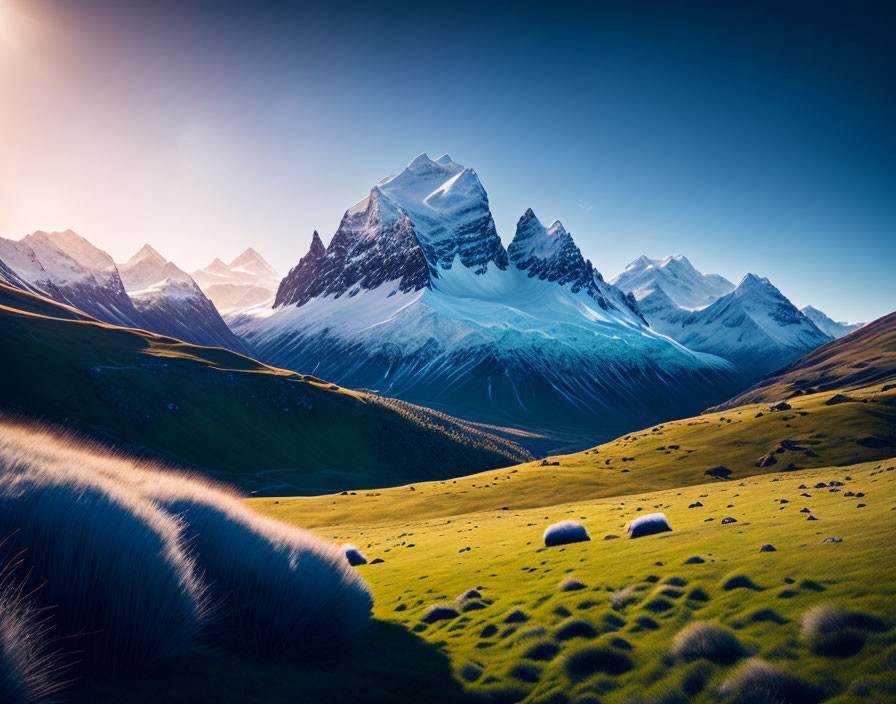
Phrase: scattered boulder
x=564 y=533
x=611 y=537
x=649 y=524
x=718 y=472
x=768 y=547
x=767 y=460
x=695 y=560
x=832 y=540
x=439 y=613
x=781 y=406
x=728 y=519
x=696 y=504
x=838 y=398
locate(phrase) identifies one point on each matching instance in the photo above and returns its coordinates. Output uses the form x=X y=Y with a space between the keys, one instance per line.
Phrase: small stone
x=832 y=540
x=768 y=547
x=728 y=519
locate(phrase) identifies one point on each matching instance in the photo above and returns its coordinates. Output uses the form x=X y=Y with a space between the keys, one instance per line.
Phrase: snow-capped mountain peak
x=254 y=262
x=680 y=280
x=827 y=325
x=146 y=253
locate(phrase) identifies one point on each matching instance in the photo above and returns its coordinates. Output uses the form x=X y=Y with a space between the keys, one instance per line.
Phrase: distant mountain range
x=247 y=281
x=416 y=297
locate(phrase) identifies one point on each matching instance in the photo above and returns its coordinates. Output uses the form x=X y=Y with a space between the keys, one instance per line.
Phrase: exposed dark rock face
x=373 y=245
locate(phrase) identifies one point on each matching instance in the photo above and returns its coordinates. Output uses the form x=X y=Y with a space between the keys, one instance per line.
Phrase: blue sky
x=749 y=137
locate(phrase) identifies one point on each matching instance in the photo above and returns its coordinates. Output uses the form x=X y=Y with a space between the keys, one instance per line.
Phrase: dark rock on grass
x=718 y=472
x=377 y=561
x=757 y=682
x=439 y=613
x=571 y=584
x=695 y=560
x=739 y=581
x=810 y=517
x=611 y=537
x=768 y=547
x=837 y=633
x=401 y=607
x=575 y=628
x=781 y=406
x=839 y=398
x=516 y=616
x=767 y=460
x=696 y=504
x=727 y=520
x=469 y=594
x=542 y=650
x=705 y=640
x=832 y=540
x=590 y=660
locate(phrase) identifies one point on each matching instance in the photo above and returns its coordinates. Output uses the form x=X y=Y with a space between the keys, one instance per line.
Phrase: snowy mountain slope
x=755 y=326
x=172 y=304
x=687 y=287
x=416 y=297
x=827 y=325
x=247 y=281
x=67 y=268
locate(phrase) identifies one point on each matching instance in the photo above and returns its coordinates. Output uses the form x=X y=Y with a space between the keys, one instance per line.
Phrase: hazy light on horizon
x=746 y=139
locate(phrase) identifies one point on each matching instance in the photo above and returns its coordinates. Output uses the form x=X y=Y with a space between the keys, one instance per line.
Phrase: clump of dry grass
x=832 y=631
x=705 y=640
x=757 y=682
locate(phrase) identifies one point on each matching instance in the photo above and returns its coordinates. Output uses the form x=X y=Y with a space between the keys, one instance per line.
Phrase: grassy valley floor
x=611 y=640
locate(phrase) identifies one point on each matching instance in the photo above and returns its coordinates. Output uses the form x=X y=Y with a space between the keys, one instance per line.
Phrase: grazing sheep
x=110 y=567
x=29 y=672
x=564 y=533
x=757 y=682
x=353 y=555
x=650 y=524
x=705 y=640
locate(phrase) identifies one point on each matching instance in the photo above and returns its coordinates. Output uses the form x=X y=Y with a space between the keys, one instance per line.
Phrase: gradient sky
x=749 y=137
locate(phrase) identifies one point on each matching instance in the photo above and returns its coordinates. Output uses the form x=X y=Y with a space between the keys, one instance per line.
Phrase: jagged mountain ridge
x=67 y=268
x=755 y=326
x=416 y=297
x=681 y=282
x=171 y=303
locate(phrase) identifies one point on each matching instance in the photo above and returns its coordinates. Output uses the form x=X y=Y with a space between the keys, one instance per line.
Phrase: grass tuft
x=705 y=640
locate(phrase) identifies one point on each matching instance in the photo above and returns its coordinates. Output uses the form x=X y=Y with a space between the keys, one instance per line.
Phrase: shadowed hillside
x=263 y=428
x=863 y=357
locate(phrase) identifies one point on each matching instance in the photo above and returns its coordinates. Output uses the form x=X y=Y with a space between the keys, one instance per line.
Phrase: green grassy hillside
x=266 y=429
x=863 y=357
x=612 y=640
x=810 y=434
